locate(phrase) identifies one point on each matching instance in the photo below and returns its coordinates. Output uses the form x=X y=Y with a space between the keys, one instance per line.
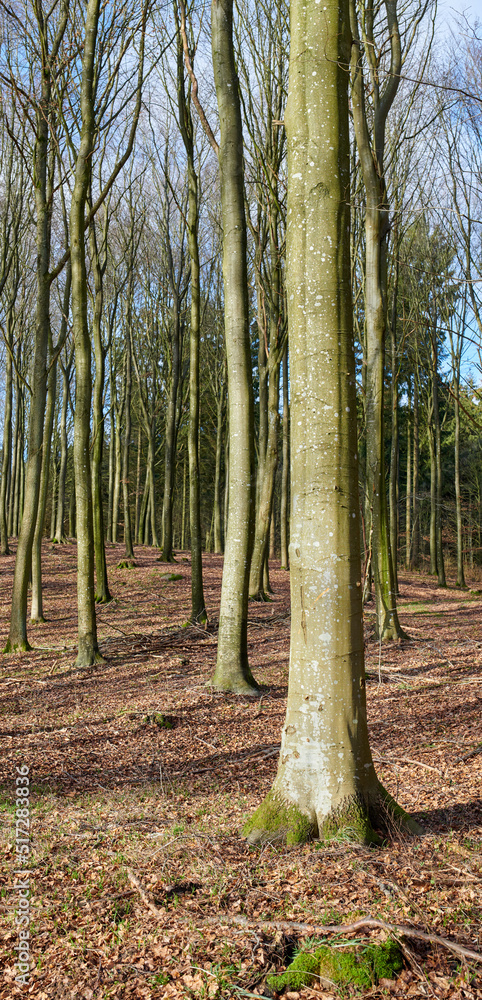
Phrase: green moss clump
x=362 y=968
x=170 y=577
x=351 y=822
x=160 y=720
x=275 y=820
x=302 y=971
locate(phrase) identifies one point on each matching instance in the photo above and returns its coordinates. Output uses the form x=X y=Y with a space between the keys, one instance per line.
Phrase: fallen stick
x=143 y=894
x=402 y=930
x=370 y=922
x=407 y=760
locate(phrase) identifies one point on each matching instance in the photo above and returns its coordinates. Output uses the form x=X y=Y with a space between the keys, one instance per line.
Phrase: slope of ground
x=141 y=776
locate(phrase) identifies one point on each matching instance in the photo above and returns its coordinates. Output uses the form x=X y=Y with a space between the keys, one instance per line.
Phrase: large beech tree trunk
x=326 y=778
x=232 y=669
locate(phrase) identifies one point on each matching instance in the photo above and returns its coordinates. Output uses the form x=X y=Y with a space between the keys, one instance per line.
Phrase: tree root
x=368 y=922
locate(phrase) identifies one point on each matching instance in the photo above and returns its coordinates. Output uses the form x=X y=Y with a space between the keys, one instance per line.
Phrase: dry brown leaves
x=113 y=790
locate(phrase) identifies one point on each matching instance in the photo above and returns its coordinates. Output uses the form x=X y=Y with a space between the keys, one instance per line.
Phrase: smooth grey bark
x=371 y=148
x=36 y=611
x=129 y=556
x=59 y=535
x=285 y=468
x=218 y=533
x=102 y=592
x=43 y=172
x=415 y=546
x=198 y=605
x=259 y=577
x=395 y=434
x=408 y=492
x=170 y=441
x=138 y=485
x=232 y=668
x=88 y=649
x=7 y=439
x=326 y=780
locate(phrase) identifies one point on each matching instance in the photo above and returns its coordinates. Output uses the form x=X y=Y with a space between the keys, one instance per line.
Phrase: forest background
x=112 y=241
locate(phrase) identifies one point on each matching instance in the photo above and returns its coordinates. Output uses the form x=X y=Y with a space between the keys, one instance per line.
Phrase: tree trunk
x=129 y=556
x=88 y=650
x=218 y=534
x=285 y=473
x=408 y=497
x=394 y=450
x=18 y=623
x=387 y=624
x=138 y=485
x=198 y=607
x=460 y=547
x=7 y=443
x=59 y=527
x=232 y=669
x=36 y=612
x=171 y=437
x=415 y=547
x=102 y=593
x=433 y=491
x=265 y=500
x=326 y=780
x=439 y=483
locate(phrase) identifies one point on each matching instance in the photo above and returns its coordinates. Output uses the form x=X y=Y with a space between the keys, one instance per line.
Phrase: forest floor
x=138 y=874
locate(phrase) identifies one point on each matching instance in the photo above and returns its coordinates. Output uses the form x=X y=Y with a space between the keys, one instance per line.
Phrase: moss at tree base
x=275 y=820
x=355 y=820
x=362 y=967
x=23 y=646
x=352 y=822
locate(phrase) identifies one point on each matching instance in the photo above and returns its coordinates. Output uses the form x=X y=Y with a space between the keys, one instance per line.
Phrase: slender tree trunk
x=171 y=438
x=433 y=492
x=55 y=478
x=117 y=476
x=72 y=525
x=415 y=547
x=88 y=650
x=129 y=556
x=388 y=626
x=198 y=606
x=102 y=593
x=110 y=506
x=15 y=452
x=265 y=501
x=218 y=534
x=439 y=483
x=138 y=486
x=460 y=548
x=59 y=527
x=232 y=669
x=408 y=498
x=36 y=612
x=18 y=623
x=394 y=451
x=7 y=443
x=284 y=517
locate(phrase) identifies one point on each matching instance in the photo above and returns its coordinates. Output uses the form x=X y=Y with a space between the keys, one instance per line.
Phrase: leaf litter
x=140 y=773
